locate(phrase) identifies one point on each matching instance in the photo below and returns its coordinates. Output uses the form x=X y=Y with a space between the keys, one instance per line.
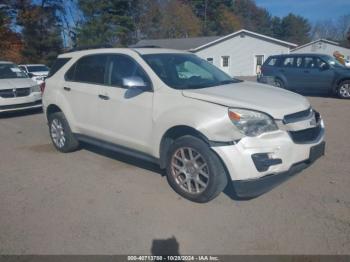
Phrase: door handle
x=67 y=88
x=306 y=71
x=281 y=70
x=103 y=97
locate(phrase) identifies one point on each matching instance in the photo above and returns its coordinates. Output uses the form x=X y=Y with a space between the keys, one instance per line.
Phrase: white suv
x=175 y=109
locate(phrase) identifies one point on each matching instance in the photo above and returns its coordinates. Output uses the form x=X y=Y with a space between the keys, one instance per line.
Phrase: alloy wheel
x=190 y=170
x=57 y=133
x=344 y=90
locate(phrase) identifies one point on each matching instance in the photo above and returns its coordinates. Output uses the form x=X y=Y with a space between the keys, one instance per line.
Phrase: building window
x=210 y=60
x=225 y=61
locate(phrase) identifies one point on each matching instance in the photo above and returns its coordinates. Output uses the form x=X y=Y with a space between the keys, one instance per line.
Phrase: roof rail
x=80 y=48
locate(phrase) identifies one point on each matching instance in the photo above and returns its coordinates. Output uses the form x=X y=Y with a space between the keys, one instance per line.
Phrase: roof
x=247 y=32
x=316 y=41
x=177 y=43
x=198 y=43
x=301 y=54
x=142 y=51
x=6 y=62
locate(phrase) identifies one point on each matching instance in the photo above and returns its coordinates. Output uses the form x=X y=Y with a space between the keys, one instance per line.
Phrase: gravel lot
x=98 y=202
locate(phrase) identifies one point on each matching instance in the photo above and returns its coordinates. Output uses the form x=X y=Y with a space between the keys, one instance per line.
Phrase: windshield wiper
x=229 y=81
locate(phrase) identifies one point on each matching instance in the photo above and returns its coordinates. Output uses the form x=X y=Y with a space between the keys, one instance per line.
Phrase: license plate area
x=317 y=151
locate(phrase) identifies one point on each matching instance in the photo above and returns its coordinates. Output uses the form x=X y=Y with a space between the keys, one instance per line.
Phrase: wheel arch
x=52 y=108
x=171 y=135
x=338 y=82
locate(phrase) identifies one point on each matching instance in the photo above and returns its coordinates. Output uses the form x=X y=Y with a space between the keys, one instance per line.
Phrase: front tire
x=343 y=90
x=194 y=171
x=61 y=135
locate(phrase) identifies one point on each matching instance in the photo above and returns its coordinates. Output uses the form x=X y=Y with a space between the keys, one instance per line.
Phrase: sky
x=313 y=10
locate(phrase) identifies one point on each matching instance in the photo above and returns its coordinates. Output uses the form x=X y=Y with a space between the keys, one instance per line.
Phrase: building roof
x=316 y=41
x=243 y=32
x=177 y=43
x=198 y=43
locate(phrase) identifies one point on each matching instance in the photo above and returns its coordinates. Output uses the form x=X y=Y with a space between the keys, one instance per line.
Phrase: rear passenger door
x=290 y=73
x=81 y=90
x=126 y=113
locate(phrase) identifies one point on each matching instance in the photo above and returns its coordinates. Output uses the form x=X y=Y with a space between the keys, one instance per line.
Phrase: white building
x=323 y=46
x=239 y=54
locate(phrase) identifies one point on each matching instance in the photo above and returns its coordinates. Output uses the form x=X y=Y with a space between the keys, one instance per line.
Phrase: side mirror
x=30 y=75
x=134 y=82
x=324 y=67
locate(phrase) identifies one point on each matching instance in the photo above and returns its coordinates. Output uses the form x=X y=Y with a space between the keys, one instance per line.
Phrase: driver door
x=126 y=113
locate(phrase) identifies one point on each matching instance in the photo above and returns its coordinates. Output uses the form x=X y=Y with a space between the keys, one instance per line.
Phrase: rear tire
x=61 y=135
x=279 y=83
x=194 y=171
x=343 y=90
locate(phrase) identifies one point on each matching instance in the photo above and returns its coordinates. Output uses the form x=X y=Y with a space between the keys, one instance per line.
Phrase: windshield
x=37 y=68
x=11 y=71
x=186 y=71
x=334 y=62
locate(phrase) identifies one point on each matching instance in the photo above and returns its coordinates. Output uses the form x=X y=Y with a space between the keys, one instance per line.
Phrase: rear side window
x=272 y=61
x=288 y=62
x=57 y=65
x=88 y=69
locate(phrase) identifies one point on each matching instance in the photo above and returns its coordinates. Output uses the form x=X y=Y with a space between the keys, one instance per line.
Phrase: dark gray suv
x=307 y=74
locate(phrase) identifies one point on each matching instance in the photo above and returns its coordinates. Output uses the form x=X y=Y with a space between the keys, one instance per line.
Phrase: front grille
x=306 y=135
x=16 y=92
x=299 y=116
x=19 y=106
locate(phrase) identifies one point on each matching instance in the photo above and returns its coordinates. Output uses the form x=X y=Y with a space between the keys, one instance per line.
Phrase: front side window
x=88 y=69
x=309 y=62
x=186 y=71
x=8 y=71
x=122 y=66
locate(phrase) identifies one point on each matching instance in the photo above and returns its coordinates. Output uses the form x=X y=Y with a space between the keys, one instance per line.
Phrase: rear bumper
x=255 y=187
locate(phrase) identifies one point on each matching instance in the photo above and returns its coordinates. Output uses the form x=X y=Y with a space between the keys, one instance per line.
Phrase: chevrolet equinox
x=203 y=127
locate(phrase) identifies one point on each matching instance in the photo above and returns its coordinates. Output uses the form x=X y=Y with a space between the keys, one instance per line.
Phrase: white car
x=37 y=72
x=17 y=91
x=206 y=130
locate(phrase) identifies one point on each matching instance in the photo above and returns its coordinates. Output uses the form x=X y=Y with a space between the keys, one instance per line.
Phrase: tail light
x=42 y=87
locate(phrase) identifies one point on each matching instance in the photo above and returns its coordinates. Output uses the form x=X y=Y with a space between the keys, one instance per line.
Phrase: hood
x=16 y=83
x=268 y=99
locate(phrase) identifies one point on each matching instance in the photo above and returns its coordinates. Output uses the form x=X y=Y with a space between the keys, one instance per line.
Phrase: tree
x=253 y=17
x=228 y=22
x=106 y=22
x=41 y=30
x=178 y=20
x=325 y=29
x=149 y=19
x=10 y=42
x=296 y=29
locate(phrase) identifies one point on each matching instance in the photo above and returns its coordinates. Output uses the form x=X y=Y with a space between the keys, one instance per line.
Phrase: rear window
x=272 y=61
x=57 y=65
